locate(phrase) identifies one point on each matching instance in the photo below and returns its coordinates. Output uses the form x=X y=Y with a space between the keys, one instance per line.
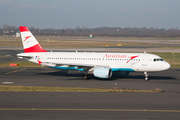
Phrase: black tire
x=146 y=79
x=86 y=77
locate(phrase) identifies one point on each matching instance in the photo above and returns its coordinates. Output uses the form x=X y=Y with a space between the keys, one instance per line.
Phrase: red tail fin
x=30 y=43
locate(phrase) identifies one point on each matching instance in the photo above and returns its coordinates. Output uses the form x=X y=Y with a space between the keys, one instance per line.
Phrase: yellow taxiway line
x=16 y=71
x=114 y=110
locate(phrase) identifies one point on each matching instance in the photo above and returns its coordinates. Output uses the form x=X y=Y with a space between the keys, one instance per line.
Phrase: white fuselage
x=115 y=61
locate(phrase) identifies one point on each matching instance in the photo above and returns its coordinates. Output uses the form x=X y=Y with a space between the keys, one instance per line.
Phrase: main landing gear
x=146 y=76
x=86 y=77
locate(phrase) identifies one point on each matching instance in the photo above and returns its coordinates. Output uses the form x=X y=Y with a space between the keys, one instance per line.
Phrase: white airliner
x=101 y=65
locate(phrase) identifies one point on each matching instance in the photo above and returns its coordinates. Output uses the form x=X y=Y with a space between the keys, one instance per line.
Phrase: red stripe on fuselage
x=35 y=48
x=131 y=58
x=23 y=29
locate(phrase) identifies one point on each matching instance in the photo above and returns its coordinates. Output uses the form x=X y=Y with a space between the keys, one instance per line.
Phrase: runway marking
x=16 y=71
x=113 y=110
x=7 y=83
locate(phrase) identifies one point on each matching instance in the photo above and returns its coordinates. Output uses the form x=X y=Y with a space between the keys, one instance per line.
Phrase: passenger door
x=144 y=60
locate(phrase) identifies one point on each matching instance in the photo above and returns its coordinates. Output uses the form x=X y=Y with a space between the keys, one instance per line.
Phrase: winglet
x=30 y=43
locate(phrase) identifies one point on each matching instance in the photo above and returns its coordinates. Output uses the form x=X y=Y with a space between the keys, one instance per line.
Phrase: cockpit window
x=158 y=59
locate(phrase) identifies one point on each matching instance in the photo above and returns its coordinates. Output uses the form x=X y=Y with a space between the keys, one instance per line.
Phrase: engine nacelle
x=102 y=72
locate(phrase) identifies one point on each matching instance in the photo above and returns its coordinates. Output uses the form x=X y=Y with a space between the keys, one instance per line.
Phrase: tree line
x=101 y=31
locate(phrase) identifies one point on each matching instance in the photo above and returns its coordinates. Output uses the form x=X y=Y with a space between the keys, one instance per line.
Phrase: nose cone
x=166 y=66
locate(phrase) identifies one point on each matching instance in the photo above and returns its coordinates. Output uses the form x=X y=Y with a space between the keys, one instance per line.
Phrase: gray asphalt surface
x=98 y=106
x=168 y=80
x=88 y=106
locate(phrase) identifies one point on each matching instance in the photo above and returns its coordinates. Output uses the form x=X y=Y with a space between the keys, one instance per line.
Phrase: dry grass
x=5 y=88
x=22 y=63
x=70 y=42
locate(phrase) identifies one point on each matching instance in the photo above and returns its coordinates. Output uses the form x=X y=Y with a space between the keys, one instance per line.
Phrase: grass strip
x=7 y=88
x=22 y=63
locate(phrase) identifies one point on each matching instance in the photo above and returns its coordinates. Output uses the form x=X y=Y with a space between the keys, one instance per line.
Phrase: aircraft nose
x=166 y=65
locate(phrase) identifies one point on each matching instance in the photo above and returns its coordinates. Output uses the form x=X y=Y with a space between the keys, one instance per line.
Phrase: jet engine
x=102 y=72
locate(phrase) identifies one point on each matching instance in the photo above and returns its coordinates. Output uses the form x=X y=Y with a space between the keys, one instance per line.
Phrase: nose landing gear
x=146 y=76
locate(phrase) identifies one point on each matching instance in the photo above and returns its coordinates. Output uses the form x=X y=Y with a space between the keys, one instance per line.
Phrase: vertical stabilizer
x=30 y=43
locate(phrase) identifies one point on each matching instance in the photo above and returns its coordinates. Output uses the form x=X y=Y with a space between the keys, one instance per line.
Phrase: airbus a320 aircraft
x=101 y=65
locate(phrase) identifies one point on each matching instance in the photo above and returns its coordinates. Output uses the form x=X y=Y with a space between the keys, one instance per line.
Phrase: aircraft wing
x=82 y=65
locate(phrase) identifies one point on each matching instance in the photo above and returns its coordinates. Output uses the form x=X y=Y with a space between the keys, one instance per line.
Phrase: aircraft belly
x=67 y=68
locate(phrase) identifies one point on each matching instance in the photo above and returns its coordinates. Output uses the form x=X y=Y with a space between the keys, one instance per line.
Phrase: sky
x=91 y=13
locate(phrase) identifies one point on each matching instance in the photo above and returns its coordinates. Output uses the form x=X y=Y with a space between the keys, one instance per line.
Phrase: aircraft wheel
x=86 y=77
x=146 y=78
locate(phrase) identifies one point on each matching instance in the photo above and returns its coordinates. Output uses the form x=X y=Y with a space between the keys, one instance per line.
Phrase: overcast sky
x=91 y=13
